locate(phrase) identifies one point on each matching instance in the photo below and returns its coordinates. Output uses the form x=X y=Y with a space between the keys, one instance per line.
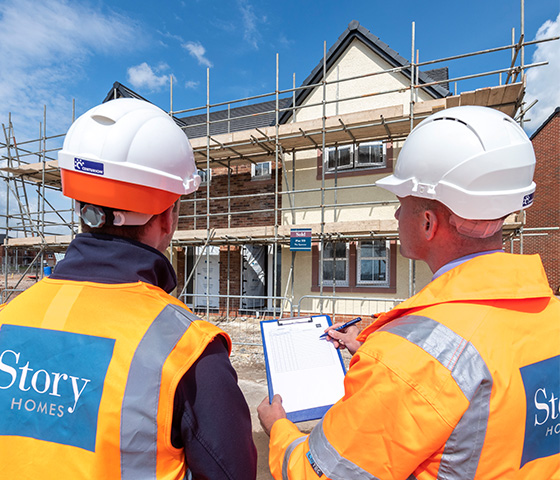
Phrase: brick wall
x=240 y=183
x=545 y=211
x=261 y=206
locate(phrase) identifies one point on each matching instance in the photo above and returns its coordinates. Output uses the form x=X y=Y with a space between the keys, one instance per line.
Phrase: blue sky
x=54 y=51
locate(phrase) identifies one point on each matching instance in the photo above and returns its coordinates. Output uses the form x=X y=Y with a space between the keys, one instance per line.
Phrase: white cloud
x=143 y=76
x=197 y=51
x=251 y=33
x=44 y=48
x=191 y=84
x=543 y=82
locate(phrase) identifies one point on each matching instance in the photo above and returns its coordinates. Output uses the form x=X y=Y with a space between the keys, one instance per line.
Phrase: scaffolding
x=31 y=167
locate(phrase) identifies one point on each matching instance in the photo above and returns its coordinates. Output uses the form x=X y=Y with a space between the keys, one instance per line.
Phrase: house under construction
x=288 y=220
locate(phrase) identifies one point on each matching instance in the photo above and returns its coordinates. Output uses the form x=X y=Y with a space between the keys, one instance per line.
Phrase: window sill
x=356 y=289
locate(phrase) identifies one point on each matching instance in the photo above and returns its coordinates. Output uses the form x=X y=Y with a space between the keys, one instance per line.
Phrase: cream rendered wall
x=357 y=60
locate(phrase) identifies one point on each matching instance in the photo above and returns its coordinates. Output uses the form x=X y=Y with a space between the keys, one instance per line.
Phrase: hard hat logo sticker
x=528 y=199
x=87 y=166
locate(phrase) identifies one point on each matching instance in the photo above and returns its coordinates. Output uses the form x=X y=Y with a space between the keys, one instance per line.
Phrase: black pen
x=342 y=327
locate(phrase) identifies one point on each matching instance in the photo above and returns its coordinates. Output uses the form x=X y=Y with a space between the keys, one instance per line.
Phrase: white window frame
x=354 y=152
x=359 y=256
x=339 y=283
x=263 y=176
x=206 y=176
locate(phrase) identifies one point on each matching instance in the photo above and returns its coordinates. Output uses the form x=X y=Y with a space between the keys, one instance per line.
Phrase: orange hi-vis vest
x=88 y=374
x=460 y=382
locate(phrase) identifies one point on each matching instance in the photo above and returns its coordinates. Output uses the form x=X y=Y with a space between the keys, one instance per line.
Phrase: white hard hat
x=127 y=154
x=475 y=160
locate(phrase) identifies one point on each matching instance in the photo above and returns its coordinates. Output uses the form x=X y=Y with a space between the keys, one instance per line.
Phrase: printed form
x=305 y=370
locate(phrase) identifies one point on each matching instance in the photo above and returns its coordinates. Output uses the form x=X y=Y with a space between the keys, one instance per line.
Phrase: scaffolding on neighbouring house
x=31 y=174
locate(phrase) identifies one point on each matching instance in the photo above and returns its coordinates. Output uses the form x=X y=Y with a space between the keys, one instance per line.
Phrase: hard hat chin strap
x=476 y=228
x=130 y=218
x=95 y=217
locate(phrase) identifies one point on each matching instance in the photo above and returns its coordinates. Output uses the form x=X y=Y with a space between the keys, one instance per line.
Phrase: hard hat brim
x=115 y=194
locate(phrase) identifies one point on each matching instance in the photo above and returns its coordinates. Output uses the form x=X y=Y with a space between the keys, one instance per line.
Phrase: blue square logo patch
x=51 y=384
x=542 y=426
x=89 y=166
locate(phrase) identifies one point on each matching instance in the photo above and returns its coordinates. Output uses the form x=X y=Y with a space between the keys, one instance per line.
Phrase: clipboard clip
x=292 y=320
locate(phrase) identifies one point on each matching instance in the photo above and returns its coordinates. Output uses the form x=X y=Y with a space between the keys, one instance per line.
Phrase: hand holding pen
x=342 y=327
x=344 y=335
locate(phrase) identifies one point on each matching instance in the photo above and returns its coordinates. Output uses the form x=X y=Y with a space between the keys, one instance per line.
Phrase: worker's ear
x=168 y=220
x=430 y=224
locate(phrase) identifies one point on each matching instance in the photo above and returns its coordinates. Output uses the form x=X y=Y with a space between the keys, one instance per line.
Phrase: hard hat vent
x=103 y=120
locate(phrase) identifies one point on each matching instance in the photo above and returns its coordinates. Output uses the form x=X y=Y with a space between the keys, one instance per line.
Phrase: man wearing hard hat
x=103 y=374
x=461 y=381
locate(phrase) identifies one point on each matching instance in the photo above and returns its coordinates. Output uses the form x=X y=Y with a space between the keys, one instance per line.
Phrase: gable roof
x=357 y=31
x=120 y=91
x=552 y=115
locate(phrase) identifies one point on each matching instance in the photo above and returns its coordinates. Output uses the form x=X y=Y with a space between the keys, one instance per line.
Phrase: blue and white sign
x=542 y=427
x=51 y=384
x=83 y=165
x=300 y=239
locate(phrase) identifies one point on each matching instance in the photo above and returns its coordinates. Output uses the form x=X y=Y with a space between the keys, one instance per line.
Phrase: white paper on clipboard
x=307 y=371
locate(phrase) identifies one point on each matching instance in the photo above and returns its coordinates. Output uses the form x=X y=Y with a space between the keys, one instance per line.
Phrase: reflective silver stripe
x=412 y=477
x=462 y=450
x=141 y=397
x=287 y=454
x=333 y=465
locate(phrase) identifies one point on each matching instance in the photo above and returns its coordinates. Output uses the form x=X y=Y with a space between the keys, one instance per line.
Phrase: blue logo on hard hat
x=541 y=381
x=88 y=166
x=51 y=384
x=528 y=200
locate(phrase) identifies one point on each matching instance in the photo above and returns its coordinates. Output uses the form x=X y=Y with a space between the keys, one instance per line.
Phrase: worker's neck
x=438 y=257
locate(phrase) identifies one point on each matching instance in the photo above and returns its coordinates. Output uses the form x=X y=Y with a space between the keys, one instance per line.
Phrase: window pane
x=380 y=271
x=340 y=270
x=367 y=249
x=328 y=270
x=331 y=158
x=380 y=249
x=328 y=252
x=371 y=153
x=340 y=250
x=344 y=157
x=339 y=157
x=366 y=271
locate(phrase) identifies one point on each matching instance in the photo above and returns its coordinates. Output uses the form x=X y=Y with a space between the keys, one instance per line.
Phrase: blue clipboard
x=313 y=328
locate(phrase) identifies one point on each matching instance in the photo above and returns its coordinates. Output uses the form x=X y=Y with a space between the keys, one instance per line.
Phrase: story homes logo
x=542 y=425
x=51 y=384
